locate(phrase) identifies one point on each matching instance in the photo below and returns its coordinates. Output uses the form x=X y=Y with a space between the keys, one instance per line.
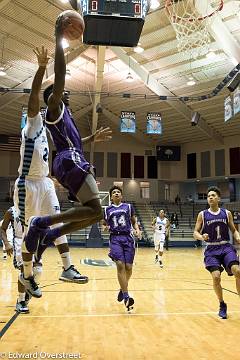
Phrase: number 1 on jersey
x=218 y=232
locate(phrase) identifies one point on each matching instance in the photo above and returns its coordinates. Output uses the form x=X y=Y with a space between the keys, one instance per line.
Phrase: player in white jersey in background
x=12 y=235
x=34 y=193
x=161 y=227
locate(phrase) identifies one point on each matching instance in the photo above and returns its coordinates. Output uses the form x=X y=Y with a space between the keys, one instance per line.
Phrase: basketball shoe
x=73 y=275
x=156 y=259
x=27 y=297
x=30 y=286
x=161 y=263
x=120 y=296
x=223 y=310
x=129 y=302
x=21 y=307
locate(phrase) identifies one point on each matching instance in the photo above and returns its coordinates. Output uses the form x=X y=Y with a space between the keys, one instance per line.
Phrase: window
x=144 y=190
x=118 y=183
x=202 y=196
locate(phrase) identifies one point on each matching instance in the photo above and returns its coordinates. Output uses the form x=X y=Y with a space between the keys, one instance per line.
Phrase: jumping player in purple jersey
x=70 y=167
x=120 y=219
x=213 y=226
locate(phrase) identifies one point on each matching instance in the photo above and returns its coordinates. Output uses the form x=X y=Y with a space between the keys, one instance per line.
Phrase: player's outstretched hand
x=103 y=134
x=42 y=56
x=61 y=23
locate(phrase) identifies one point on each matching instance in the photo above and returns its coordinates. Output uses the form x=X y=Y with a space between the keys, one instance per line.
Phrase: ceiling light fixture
x=138 y=49
x=129 y=77
x=154 y=4
x=191 y=82
x=3 y=73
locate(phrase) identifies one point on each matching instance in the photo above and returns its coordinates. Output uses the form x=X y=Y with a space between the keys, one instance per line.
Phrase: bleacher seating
x=181 y=236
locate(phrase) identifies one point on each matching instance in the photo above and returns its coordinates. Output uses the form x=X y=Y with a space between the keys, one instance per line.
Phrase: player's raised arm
x=55 y=98
x=34 y=98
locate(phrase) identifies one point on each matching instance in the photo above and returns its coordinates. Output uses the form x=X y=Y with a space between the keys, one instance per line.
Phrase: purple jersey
x=64 y=132
x=69 y=166
x=216 y=225
x=118 y=218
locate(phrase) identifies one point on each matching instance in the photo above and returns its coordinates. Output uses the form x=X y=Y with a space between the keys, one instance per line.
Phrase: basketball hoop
x=190 y=20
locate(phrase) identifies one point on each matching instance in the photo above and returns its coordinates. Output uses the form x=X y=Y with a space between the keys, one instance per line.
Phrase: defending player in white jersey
x=34 y=193
x=161 y=227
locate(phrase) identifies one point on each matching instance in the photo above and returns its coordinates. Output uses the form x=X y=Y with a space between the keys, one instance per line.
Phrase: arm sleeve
x=33 y=126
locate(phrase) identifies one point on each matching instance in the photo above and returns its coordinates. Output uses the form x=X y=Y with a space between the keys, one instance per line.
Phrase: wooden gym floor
x=175 y=314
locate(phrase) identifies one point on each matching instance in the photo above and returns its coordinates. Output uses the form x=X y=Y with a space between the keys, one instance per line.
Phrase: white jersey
x=34 y=149
x=160 y=225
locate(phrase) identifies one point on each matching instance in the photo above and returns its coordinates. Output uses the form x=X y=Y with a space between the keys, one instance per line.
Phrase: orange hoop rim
x=168 y=3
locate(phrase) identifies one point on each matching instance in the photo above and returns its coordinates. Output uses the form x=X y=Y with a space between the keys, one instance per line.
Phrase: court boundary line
x=8 y=324
x=163 y=314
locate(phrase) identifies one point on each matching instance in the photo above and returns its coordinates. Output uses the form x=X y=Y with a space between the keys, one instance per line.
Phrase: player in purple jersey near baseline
x=70 y=167
x=213 y=226
x=120 y=219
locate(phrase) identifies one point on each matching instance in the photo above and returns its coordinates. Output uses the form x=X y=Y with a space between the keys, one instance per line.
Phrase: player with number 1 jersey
x=213 y=226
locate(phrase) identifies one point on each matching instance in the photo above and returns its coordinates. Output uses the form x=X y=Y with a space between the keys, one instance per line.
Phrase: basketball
x=72 y=24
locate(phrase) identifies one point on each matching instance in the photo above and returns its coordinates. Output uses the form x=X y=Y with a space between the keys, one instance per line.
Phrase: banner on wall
x=228 y=110
x=236 y=101
x=154 y=123
x=128 y=122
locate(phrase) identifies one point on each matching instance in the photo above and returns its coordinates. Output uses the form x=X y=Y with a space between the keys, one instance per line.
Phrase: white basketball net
x=190 y=20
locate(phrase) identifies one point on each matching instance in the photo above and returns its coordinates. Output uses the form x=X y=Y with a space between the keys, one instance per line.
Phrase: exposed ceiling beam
x=4 y=3
x=79 y=113
x=159 y=89
x=7 y=98
x=219 y=31
x=101 y=50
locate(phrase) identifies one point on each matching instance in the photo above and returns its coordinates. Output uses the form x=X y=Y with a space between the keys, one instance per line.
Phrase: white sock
x=66 y=260
x=27 y=269
x=160 y=258
x=21 y=297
